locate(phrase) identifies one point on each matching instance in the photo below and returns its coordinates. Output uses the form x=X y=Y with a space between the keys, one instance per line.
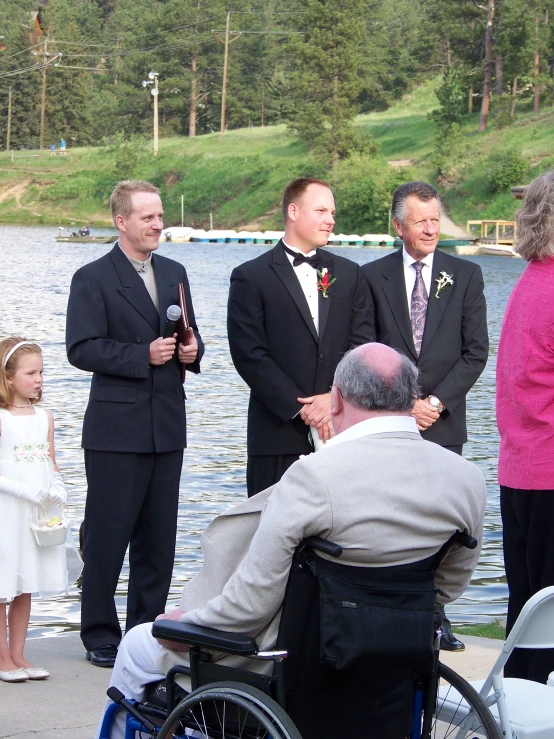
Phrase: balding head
x=372 y=380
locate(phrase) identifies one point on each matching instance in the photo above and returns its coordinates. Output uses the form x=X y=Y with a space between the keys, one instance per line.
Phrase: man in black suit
x=134 y=429
x=431 y=306
x=292 y=314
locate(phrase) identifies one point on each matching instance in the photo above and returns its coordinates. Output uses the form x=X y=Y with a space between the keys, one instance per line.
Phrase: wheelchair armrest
x=202 y=636
x=323 y=545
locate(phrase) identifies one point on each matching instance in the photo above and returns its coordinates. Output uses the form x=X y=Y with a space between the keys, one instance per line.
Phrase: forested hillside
x=312 y=64
x=461 y=91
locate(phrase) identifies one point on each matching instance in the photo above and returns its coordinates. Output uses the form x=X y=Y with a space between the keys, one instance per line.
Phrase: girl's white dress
x=24 y=566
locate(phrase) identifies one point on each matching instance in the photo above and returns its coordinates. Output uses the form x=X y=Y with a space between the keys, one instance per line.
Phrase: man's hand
x=316 y=410
x=162 y=350
x=189 y=351
x=325 y=430
x=424 y=414
x=173 y=615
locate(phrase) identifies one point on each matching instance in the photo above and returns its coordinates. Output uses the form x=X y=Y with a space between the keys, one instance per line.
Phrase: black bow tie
x=314 y=261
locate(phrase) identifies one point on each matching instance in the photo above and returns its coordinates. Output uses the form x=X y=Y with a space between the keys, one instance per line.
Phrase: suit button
x=138 y=339
x=321 y=356
x=154 y=395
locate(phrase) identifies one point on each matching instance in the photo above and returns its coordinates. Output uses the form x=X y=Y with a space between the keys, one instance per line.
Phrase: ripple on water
x=36 y=276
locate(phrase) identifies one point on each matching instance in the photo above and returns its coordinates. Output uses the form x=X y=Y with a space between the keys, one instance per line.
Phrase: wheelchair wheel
x=228 y=710
x=460 y=711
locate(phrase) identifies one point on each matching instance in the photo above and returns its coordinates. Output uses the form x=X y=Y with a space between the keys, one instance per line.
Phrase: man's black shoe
x=449 y=643
x=103 y=656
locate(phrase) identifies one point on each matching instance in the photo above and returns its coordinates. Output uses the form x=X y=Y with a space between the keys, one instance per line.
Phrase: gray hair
x=535 y=220
x=364 y=388
x=421 y=190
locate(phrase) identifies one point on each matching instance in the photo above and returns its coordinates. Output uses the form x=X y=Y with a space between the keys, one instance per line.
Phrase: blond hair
x=121 y=198
x=9 y=368
x=535 y=220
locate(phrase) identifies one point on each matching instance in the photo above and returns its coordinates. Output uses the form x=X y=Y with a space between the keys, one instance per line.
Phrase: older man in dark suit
x=293 y=312
x=431 y=306
x=134 y=429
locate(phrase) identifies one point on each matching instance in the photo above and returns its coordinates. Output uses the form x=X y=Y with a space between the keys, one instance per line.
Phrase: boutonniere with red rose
x=325 y=281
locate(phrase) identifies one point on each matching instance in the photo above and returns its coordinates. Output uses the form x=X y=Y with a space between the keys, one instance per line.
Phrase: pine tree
x=17 y=70
x=329 y=77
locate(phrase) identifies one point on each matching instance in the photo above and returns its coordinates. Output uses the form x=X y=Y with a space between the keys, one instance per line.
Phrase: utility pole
x=227 y=41
x=43 y=101
x=153 y=80
x=155 y=94
x=9 y=132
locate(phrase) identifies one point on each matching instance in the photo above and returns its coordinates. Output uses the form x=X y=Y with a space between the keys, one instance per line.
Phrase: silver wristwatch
x=435 y=402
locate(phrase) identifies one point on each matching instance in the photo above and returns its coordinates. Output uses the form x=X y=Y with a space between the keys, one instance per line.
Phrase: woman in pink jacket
x=525 y=416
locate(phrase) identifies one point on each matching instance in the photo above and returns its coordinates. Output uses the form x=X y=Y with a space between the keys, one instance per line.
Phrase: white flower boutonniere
x=442 y=281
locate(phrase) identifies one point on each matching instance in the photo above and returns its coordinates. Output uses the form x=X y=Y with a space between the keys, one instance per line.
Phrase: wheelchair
x=363 y=639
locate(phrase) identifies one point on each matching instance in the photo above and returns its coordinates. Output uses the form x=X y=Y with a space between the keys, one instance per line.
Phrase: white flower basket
x=48 y=535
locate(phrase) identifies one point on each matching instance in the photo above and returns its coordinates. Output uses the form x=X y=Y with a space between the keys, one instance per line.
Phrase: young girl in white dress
x=29 y=478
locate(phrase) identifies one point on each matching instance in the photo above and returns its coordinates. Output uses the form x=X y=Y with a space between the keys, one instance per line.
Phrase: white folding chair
x=522 y=708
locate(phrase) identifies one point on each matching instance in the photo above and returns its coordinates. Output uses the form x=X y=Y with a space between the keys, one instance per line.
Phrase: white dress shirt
x=307 y=277
x=410 y=274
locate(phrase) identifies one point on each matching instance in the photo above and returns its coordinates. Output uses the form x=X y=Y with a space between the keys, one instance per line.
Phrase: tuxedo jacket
x=455 y=343
x=276 y=349
x=111 y=322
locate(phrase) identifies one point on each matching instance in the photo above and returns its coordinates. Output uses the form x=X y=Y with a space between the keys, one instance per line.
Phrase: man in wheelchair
x=377 y=489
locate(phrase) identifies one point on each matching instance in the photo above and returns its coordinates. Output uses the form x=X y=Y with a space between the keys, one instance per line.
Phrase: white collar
x=378 y=425
x=137 y=264
x=408 y=260
x=299 y=251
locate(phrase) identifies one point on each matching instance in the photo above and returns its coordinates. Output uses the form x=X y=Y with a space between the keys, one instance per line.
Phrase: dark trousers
x=265 y=470
x=131 y=500
x=527 y=517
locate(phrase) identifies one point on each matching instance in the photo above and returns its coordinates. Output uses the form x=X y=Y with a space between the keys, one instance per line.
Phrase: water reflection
x=36 y=273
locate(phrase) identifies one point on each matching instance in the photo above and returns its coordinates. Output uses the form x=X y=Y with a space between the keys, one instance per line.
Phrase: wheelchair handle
x=118 y=697
x=323 y=545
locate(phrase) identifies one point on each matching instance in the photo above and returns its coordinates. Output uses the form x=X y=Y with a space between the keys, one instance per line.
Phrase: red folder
x=183 y=324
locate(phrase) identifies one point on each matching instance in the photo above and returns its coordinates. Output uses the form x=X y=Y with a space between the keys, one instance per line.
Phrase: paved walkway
x=68 y=704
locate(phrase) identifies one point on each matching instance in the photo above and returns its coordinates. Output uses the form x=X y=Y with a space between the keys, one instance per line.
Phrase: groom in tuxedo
x=431 y=306
x=292 y=314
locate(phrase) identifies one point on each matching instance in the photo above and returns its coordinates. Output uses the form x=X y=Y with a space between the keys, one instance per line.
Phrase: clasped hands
x=424 y=413
x=161 y=350
x=55 y=495
x=316 y=412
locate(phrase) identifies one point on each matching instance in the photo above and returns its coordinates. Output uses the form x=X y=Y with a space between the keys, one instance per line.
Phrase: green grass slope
x=238 y=178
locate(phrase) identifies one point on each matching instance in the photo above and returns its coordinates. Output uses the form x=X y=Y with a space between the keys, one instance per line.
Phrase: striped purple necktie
x=418 y=307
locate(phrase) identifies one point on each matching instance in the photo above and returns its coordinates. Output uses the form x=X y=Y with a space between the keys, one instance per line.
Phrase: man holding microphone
x=134 y=430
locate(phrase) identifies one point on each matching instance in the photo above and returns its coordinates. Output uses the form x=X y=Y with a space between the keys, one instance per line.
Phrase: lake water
x=35 y=278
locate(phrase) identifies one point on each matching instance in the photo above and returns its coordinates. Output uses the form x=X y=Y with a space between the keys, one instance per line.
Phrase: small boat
x=487 y=249
x=177 y=234
x=497 y=250
x=77 y=238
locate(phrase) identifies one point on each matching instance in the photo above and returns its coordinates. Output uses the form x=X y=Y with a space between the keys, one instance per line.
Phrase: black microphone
x=173 y=315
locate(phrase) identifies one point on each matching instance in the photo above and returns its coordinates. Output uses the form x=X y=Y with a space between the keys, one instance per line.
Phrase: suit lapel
x=167 y=288
x=325 y=304
x=133 y=288
x=394 y=287
x=435 y=306
x=284 y=271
